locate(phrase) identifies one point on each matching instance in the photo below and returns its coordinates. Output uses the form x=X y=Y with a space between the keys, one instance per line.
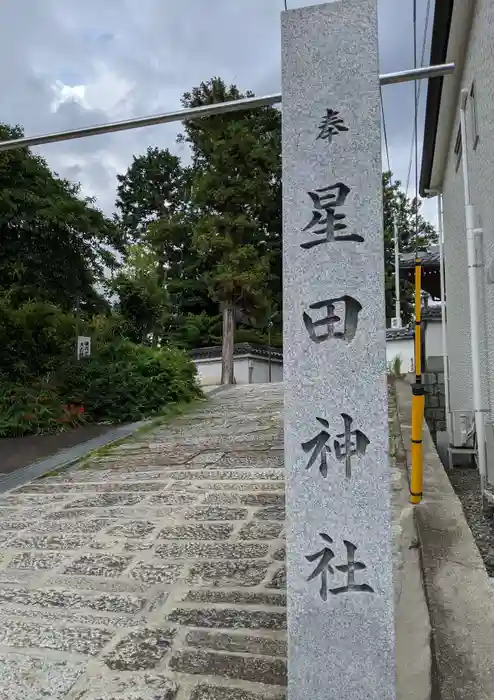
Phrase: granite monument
x=339 y=561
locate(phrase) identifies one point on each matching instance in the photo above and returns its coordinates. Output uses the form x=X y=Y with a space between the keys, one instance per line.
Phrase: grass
x=165 y=416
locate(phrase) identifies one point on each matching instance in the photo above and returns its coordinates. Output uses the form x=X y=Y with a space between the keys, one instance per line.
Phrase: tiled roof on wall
x=405 y=333
x=240 y=349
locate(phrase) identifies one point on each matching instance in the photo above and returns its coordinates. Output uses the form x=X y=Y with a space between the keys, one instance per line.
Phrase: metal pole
x=442 y=277
x=418 y=396
x=270 y=325
x=405 y=76
x=475 y=271
x=269 y=352
x=443 y=314
x=205 y=111
x=77 y=328
x=397 y=274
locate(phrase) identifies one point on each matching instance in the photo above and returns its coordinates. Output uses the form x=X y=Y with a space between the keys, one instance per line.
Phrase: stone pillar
x=340 y=589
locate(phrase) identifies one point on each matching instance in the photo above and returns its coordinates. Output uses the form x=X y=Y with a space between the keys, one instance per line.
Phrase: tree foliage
x=202 y=264
x=414 y=233
x=56 y=252
x=220 y=245
x=154 y=208
x=236 y=196
x=142 y=296
x=155 y=187
x=54 y=244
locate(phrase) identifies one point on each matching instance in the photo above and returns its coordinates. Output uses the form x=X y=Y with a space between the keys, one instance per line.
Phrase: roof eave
x=443 y=14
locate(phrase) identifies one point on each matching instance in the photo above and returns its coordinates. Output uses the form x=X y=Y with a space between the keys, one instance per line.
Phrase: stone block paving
x=155 y=571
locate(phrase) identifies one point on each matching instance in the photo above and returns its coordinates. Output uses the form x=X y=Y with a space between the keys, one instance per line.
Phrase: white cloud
x=64 y=93
x=107 y=91
x=76 y=63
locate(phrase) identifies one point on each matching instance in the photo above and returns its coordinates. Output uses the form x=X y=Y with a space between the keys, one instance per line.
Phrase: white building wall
x=247 y=369
x=402 y=349
x=208 y=371
x=261 y=371
x=433 y=339
x=479 y=67
x=241 y=370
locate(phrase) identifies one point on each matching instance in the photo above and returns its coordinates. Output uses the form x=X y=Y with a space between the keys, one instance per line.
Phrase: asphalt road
x=19 y=452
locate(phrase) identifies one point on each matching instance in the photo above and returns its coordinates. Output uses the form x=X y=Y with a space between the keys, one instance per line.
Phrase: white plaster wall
x=261 y=371
x=241 y=365
x=479 y=66
x=209 y=370
x=433 y=339
x=403 y=349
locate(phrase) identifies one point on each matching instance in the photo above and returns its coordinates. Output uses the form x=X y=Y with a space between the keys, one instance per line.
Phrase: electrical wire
x=394 y=216
x=416 y=125
x=417 y=92
x=385 y=131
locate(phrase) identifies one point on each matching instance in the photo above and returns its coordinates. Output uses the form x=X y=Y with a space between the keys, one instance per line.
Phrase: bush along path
x=157 y=568
x=45 y=390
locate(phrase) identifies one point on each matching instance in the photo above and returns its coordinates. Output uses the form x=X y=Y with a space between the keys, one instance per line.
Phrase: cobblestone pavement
x=156 y=572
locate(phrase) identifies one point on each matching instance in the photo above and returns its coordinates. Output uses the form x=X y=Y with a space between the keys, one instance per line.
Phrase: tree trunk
x=227 y=375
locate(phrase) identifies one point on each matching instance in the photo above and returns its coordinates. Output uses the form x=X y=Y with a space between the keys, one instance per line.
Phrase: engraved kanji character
x=331 y=124
x=349 y=569
x=352 y=308
x=325 y=556
x=349 y=443
x=325 y=201
x=319 y=447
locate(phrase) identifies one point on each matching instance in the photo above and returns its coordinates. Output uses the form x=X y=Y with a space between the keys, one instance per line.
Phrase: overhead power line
x=385 y=131
x=417 y=97
x=417 y=89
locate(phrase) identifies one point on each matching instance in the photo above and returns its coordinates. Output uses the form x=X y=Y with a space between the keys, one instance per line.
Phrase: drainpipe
x=475 y=268
x=442 y=276
x=443 y=315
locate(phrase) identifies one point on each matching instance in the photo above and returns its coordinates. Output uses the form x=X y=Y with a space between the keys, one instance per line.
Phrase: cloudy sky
x=73 y=63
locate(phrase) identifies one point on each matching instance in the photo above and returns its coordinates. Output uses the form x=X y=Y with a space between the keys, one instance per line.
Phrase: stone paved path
x=156 y=572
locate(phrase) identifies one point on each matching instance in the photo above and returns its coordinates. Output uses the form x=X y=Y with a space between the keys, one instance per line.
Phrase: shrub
x=35 y=409
x=37 y=337
x=126 y=382
x=33 y=338
x=120 y=382
x=395 y=366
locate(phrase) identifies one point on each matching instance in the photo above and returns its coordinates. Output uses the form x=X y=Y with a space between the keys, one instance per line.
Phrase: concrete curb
x=459 y=592
x=69 y=456
x=413 y=629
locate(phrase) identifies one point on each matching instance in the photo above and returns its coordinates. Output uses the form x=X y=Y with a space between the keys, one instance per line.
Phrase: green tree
x=154 y=187
x=142 y=296
x=154 y=208
x=236 y=198
x=415 y=233
x=54 y=245
x=189 y=331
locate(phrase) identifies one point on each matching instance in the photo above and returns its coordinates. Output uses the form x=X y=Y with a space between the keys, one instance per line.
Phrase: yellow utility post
x=418 y=397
